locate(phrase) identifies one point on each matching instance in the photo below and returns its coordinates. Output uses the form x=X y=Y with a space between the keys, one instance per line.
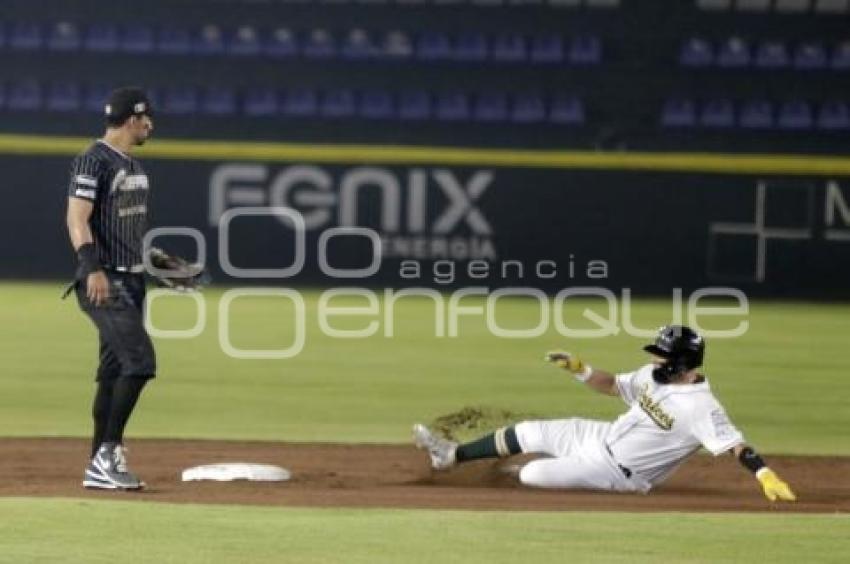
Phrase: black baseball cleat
x=108 y=470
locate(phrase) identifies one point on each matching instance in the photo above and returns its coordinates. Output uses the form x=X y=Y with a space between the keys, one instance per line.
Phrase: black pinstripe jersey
x=118 y=187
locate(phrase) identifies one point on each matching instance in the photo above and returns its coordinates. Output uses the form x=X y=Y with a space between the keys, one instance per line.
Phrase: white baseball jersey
x=666 y=423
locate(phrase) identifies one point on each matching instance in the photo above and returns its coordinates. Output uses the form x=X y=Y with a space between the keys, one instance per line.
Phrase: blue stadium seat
x=245 y=42
x=95 y=98
x=717 y=113
x=734 y=52
x=841 y=56
x=338 y=104
x=179 y=100
x=320 y=44
x=451 y=106
x=810 y=56
x=26 y=37
x=218 y=101
x=792 y=6
x=491 y=107
x=63 y=97
x=528 y=108
x=138 y=39
x=300 y=103
x=358 y=46
x=63 y=36
x=260 y=102
x=696 y=52
x=101 y=38
x=281 y=43
x=376 y=105
x=396 y=45
x=831 y=6
x=752 y=6
x=678 y=112
x=433 y=46
x=719 y=5
x=509 y=48
x=25 y=95
x=208 y=41
x=585 y=50
x=470 y=47
x=795 y=114
x=771 y=55
x=756 y=114
x=174 y=41
x=414 y=105
x=834 y=115
x=546 y=49
x=566 y=109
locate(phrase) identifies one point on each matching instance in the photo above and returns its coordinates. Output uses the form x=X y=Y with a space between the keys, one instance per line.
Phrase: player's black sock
x=101 y=408
x=501 y=443
x=124 y=397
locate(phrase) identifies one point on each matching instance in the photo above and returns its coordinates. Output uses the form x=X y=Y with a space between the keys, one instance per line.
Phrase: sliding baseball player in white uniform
x=672 y=413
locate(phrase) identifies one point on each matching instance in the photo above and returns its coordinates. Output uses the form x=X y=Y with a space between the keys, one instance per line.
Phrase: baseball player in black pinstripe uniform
x=107 y=219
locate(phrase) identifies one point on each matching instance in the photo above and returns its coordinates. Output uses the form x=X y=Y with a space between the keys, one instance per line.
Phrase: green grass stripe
x=12 y=144
x=772 y=380
x=69 y=531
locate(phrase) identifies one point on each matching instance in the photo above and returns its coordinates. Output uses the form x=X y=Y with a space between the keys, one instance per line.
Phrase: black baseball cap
x=125 y=102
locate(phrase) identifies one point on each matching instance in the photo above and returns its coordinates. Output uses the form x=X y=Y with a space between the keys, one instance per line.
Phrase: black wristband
x=87 y=257
x=751 y=460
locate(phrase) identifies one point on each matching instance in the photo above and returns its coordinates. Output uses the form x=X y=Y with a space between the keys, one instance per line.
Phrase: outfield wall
x=772 y=226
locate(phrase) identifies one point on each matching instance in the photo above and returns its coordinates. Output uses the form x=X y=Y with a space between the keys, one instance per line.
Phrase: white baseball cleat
x=441 y=451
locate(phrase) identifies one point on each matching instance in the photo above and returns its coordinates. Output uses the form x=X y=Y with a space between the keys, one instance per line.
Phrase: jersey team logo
x=654 y=410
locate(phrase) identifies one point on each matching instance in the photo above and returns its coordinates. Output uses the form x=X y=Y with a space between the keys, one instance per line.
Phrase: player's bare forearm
x=603 y=382
x=77 y=219
x=79 y=231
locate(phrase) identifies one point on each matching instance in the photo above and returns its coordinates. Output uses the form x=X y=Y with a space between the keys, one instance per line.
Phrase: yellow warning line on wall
x=183 y=149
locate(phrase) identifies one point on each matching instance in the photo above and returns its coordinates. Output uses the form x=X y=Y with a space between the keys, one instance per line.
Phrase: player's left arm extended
x=773 y=486
x=599 y=380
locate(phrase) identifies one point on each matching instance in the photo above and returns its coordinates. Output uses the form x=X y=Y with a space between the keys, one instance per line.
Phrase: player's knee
x=140 y=364
x=527 y=475
x=535 y=474
x=108 y=373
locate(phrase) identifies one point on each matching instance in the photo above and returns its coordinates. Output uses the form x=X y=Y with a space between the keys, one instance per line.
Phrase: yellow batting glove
x=570 y=362
x=565 y=360
x=774 y=488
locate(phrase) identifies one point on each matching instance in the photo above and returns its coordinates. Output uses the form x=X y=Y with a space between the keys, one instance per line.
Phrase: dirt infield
x=333 y=475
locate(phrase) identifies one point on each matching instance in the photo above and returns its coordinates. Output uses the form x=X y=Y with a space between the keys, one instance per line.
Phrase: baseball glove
x=175 y=272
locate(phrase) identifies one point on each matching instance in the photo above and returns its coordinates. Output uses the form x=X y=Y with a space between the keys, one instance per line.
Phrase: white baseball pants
x=579 y=457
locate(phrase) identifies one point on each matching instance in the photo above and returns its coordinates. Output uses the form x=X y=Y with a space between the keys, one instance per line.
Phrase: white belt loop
x=135 y=269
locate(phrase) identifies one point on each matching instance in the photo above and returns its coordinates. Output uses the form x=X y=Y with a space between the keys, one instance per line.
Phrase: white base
x=229 y=471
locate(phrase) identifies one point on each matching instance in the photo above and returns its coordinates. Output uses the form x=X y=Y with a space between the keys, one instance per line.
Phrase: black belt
x=626 y=472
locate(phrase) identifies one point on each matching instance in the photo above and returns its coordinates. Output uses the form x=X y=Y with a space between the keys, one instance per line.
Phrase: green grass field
x=782 y=382
x=191 y=533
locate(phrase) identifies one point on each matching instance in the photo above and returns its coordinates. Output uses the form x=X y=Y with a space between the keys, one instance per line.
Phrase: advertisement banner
x=319 y=224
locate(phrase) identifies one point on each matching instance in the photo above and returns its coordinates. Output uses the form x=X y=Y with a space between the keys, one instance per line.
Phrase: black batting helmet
x=683 y=348
x=125 y=102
